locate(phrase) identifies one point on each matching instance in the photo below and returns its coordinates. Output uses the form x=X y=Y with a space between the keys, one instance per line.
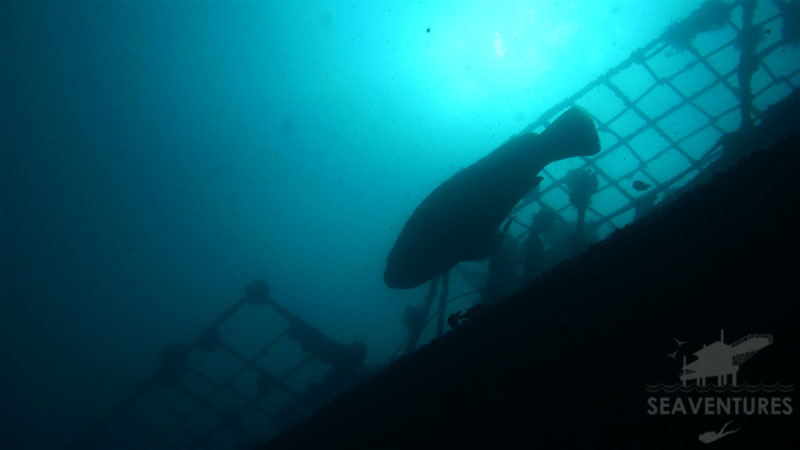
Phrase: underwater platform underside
x=567 y=362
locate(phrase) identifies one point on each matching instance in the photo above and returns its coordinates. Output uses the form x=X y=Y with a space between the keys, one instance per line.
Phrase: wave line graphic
x=747 y=387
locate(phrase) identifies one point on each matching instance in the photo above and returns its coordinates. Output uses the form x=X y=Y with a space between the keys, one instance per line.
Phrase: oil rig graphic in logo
x=722 y=361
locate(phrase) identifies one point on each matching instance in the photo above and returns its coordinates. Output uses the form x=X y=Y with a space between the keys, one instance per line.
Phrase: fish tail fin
x=573 y=133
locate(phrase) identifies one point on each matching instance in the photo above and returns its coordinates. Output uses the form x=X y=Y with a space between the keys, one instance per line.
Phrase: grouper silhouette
x=460 y=219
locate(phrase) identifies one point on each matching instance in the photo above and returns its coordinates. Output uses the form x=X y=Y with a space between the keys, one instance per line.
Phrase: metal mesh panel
x=211 y=395
x=660 y=115
x=661 y=112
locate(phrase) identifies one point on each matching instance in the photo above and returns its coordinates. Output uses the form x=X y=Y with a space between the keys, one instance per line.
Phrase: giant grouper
x=460 y=219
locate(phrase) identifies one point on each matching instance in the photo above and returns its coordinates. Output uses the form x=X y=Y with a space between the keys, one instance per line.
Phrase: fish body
x=459 y=220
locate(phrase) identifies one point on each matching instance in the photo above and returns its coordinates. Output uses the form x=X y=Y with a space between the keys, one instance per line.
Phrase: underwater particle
x=641 y=185
x=428 y=30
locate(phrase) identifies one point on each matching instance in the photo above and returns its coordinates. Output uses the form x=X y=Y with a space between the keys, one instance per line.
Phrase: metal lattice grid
x=211 y=395
x=661 y=112
x=660 y=115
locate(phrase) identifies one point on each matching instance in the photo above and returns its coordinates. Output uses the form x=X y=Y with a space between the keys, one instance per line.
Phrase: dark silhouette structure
x=189 y=405
x=563 y=363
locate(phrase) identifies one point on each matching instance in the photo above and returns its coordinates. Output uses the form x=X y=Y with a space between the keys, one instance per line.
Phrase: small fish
x=640 y=185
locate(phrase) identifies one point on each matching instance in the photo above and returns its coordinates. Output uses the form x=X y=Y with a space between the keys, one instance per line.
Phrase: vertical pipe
x=580 y=229
x=683 y=381
x=748 y=41
x=443 y=303
x=415 y=334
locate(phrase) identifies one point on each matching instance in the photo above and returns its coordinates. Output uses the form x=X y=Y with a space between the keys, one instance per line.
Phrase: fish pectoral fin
x=487 y=247
x=532 y=183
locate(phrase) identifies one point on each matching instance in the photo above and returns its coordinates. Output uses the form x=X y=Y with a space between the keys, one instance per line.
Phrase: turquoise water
x=158 y=156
